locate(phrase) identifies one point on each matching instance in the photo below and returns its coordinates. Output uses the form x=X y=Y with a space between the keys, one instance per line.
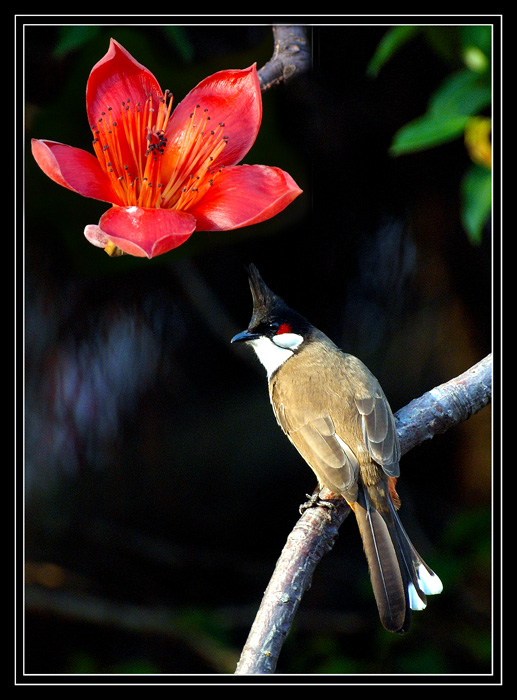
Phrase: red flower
x=167 y=173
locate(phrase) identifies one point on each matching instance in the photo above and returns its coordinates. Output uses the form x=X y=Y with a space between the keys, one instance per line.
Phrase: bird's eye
x=279 y=328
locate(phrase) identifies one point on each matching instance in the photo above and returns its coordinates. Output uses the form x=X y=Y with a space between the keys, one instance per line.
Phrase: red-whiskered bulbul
x=335 y=413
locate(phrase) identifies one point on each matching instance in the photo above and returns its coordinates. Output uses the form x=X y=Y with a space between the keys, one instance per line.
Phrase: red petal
x=146 y=232
x=115 y=79
x=244 y=195
x=233 y=98
x=96 y=236
x=73 y=168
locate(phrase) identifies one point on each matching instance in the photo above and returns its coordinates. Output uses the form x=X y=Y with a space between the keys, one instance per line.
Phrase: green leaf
x=476 y=194
x=389 y=44
x=427 y=131
x=444 y=41
x=475 y=59
x=478 y=37
x=461 y=93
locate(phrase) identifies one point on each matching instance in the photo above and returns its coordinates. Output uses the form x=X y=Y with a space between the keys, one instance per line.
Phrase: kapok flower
x=167 y=172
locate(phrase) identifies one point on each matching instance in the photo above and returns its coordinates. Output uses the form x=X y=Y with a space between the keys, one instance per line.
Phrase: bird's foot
x=315 y=501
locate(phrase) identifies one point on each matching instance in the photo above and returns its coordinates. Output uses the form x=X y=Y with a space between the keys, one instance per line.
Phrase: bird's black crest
x=268 y=306
x=264 y=300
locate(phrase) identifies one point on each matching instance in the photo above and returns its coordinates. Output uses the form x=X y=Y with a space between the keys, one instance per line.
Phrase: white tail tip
x=429 y=582
x=415 y=602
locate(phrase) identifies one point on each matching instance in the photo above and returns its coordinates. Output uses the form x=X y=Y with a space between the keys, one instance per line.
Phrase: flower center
x=144 y=169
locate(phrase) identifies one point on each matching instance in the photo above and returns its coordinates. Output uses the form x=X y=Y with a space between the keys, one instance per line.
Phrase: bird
x=335 y=413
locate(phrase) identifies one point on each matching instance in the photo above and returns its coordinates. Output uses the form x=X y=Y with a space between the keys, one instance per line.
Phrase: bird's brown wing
x=379 y=431
x=378 y=427
x=314 y=436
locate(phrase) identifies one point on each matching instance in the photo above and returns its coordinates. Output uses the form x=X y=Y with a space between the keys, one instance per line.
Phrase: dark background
x=159 y=490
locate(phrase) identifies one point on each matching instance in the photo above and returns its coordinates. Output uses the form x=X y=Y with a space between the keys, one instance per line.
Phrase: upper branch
x=291 y=55
x=445 y=406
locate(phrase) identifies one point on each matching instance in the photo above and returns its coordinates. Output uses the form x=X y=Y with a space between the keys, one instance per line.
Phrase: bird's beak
x=244 y=336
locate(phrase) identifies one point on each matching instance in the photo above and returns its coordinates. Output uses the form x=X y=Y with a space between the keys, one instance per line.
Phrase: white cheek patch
x=270 y=355
x=289 y=341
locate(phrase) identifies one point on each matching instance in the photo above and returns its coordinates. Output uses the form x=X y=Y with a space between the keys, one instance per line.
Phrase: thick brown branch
x=291 y=55
x=445 y=406
x=313 y=535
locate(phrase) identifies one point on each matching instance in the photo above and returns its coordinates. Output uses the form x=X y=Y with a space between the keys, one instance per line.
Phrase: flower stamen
x=199 y=147
x=129 y=153
x=132 y=154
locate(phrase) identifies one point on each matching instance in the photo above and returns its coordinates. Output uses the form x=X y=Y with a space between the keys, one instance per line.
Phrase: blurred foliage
x=73 y=38
x=453 y=109
x=81 y=663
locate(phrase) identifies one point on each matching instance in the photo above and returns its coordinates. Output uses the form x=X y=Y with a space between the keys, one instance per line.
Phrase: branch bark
x=315 y=532
x=291 y=55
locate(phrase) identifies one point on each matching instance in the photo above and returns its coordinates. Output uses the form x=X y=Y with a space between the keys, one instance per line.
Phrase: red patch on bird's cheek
x=284 y=328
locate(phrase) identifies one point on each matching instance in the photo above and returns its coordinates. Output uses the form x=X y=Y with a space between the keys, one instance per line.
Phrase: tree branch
x=445 y=406
x=291 y=55
x=315 y=532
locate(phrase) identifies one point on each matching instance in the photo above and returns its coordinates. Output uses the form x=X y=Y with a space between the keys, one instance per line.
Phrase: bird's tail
x=400 y=578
